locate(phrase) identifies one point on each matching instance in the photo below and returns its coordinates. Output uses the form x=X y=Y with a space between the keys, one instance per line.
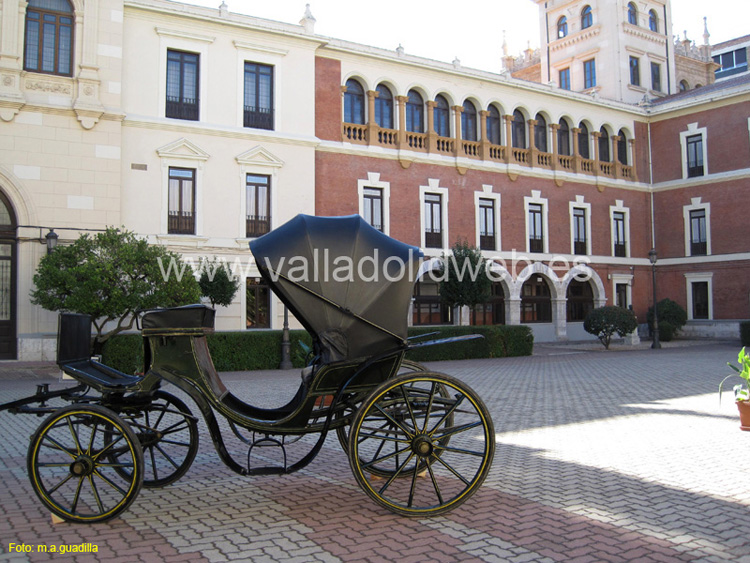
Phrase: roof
x=716 y=87
x=731 y=43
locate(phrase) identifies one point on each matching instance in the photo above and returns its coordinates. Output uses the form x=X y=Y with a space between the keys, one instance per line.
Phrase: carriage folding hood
x=351 y=312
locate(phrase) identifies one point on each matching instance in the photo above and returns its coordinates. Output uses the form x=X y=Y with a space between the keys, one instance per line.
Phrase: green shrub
x=669 y=312
x=499 y=341
x=605 y=322
x=255 y=350
x=666 y=331
x=745 y=333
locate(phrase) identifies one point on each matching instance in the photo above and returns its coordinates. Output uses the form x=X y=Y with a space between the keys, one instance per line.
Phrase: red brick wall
x=328 y=99
x=727 y=141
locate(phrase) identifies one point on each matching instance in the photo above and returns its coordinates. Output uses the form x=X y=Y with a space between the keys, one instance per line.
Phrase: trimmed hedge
x=255 y=350
x=745 y=333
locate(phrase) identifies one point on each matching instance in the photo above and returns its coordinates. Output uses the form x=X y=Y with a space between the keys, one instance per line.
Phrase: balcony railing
x=354 y=133
x=258 y=118
x=487 y=242
x=536 y=244
x=416 y=141
x=620 y=250
x=388 y=137
x=257 y=225
x=698 y=248
x=181 y=223
x=579 y=247
x=433 y=239
x=185 y=108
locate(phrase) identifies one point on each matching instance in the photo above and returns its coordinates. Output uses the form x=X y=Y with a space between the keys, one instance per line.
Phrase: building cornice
x=577 y=37
x=702 y=181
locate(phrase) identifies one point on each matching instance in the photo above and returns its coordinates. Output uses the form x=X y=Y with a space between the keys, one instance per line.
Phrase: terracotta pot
x=744 y=408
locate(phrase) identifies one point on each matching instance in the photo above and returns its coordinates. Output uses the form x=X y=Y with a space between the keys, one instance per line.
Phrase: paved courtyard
x=601 y=456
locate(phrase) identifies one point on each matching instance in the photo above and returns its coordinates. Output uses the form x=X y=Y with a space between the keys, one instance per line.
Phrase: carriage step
x=267 y=441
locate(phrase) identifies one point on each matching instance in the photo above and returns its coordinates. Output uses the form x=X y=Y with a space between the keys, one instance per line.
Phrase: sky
x=471 y=30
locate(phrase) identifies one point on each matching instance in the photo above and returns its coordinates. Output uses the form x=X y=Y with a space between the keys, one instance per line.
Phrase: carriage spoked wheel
x=71 y=468
x=421 y=444
x=342 y=433
x=168 y=433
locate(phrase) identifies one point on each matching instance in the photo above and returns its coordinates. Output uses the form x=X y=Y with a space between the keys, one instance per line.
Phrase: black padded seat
x=190 y=316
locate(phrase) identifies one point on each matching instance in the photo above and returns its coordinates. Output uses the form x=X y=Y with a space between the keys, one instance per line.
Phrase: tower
x=616 y=49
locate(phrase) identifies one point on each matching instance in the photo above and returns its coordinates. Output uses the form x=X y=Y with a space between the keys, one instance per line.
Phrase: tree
x=218 y=283
x=464 y=277
x=672 y=317
x=110 y=276
x=604 y=322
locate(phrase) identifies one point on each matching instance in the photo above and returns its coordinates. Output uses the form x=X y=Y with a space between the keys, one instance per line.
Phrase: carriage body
x=396 y=421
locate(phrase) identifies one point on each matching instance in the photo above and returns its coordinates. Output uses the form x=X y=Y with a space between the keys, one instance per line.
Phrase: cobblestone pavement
x=601 y=456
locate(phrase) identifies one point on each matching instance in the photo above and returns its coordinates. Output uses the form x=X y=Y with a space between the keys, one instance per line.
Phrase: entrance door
x=8 y=348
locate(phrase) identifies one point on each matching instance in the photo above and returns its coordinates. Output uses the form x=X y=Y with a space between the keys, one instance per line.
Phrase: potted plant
x=741 y=392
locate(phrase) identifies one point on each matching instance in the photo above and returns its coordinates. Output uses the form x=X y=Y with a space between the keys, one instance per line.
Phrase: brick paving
x=601 y=457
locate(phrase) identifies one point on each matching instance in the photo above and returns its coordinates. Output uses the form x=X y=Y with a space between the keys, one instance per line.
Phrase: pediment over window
x=259 y=156
x=182 y=148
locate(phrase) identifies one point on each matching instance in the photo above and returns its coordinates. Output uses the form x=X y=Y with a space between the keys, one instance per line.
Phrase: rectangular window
x=580 y=237
x=487 y=224
x=565 y=79
x=621 y=295
x=656 y=77
x=698 y=245
x=258 y=104
x=536 y=230
x=182 y=85
x=373 y=207
x=257 y=205
x=589 y=74
x=48 y=40
x=618 y=226
x=433 y=220
x=635 y=71
x=257 y=304
x=695 y=156
x=733 y=62
x=181 y=201
x=700 y=299
x=428 y=307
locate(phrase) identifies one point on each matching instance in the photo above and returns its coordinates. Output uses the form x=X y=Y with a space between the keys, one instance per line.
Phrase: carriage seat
x=189 y=318
x=74 y=355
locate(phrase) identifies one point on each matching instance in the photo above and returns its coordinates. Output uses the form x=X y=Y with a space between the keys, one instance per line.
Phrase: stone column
x=559 y=307
x=513 y=311
x=457 y=111
x=554 y=127
x=401 y=102
x=631 y=143
x=576 y=151
x=596 y=135
x=616 y=159
x=372 y=126
x=484 y=142
x=508 y=137
x=532 y=142
x=431 y=135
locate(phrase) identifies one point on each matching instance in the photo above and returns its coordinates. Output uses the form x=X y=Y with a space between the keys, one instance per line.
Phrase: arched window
x=540 y=133
x=493 y=126
x=469 y=122
x=562 y=27
x=563 y=138
x=536 y=301
x=684 y=86
x=604 y=145
x=49 y=37
x=518 y=130
x=583 y=141
x=653 y=21
x=414 y=112
x=384 y=107
x=587 y=18
x=632 y=14
x=622 y=148
x=8 y=275
x=492 y=311
x=354 y=103
x=442 y=116
x=580 y=300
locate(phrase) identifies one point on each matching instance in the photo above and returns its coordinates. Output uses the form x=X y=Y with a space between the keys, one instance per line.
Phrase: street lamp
x=286 y=360
x=653 y=258
x=51 y=241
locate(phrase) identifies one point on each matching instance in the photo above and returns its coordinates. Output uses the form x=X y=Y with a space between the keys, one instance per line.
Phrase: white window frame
x=433 y=187
x=622 y=279
x=191 y=43
x=261 y=54
x=696 y=205
x=693 y=129
x=700 y=277
x=486 y=193
x=579 y=203
x=373 y=181
x=536 y=198
x=258 y=161
x=619 y=207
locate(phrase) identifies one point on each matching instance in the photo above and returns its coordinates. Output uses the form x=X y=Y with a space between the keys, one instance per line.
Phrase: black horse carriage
x=418 y=442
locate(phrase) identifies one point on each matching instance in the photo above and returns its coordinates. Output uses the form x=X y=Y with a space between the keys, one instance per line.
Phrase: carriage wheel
x=398 y=448
x=168 y=433
x=342 y=433
x=70 y=466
